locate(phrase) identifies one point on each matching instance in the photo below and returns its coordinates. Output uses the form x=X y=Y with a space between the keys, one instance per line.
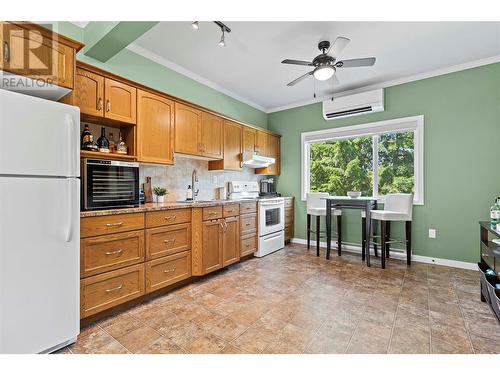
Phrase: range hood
x=257 y=161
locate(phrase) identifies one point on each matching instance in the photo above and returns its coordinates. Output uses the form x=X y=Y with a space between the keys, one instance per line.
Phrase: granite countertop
x=160 y=206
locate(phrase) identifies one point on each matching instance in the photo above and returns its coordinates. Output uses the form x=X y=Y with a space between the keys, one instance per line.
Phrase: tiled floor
x=294 y=302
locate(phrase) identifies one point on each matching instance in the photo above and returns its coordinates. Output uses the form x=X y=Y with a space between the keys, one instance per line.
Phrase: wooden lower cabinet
x=167 y=240
x=231 y=241
x=212 y=245
x=248 y=244
x=101 y=292
x=107 y=253
x=168 y=270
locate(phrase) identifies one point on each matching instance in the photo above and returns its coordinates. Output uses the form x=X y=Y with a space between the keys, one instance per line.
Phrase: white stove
x=271 y=215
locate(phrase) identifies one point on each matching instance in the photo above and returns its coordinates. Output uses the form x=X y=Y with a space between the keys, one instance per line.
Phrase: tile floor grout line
x=465 y=321
x=396 y=314
x=429 y=308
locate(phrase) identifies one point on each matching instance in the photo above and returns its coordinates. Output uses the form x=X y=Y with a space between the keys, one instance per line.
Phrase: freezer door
x=39 y=137
x=39 y=263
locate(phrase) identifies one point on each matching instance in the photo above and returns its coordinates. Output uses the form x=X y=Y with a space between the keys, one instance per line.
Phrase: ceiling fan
x=326 y=63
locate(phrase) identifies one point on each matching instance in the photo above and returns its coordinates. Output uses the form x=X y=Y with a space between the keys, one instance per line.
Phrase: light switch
x=432 y=233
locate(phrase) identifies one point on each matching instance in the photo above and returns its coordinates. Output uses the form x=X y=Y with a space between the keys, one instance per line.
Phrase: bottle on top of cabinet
x=121 y=148
x=102 y=142
x=87 y=140
x=112 y=144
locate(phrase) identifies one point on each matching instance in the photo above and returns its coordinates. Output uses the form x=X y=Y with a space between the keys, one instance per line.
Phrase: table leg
x=368 y=231
x=328 y=227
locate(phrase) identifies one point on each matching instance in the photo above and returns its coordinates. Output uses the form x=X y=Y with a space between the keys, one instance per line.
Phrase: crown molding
x=395 y=82
x=188 y=73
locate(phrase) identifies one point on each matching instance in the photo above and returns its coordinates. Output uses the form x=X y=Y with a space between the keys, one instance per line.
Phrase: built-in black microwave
x=109 y=184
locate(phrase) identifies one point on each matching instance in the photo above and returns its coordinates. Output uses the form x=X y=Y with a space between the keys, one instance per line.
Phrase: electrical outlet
x=432 y=233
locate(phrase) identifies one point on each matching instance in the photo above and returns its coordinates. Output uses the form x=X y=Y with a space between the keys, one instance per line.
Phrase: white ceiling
x=249 y=67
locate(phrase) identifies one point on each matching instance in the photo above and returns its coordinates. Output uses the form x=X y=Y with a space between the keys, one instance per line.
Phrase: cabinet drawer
x=248 y=224
x=210 y=213
x=288 y=202
x=106 y=253
x=167 y=240
x=99 y=225
x=248 y=244
x=288 y=233
x=229 y=210
x=110 y=289
x=248 y=207
x=168 y=217
x=167 y=270
x=288 y=216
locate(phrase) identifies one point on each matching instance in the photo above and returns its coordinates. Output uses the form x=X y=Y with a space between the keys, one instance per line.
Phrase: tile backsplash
x=176 y=178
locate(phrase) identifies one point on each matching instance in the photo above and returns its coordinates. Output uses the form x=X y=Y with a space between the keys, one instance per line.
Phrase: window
x=376 y=159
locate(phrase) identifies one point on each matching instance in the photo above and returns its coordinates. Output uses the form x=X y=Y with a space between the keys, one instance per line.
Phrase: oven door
x=109 y=184
x=271 y=216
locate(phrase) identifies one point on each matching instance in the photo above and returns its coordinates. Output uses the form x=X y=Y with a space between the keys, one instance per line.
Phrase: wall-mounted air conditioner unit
x=354 y=105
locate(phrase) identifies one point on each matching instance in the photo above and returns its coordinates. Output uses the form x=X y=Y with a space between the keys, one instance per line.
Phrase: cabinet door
x=211 y=135
x=120 y=101
x=155 y=128
x=261 y=143
x=187 y=130
x=29 y=53
x=231 y=240
x=249 y=140
x=272 y=150
x=212 y=245
x=232 y=146
x=89 y=93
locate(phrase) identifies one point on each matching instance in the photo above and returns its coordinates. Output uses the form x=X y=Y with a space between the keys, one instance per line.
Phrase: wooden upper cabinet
x=120 y=101
x=212 y=135
x=155 y=128
x=212 y=245
x=36 y=52
x=232 y=149
x=261 y=143
x=272 y=150
x=249 y=139
x=187 y=130
x=89 y=92
x=231 y=241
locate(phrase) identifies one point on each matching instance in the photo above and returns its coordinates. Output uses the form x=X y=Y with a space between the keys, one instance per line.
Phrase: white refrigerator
x=39 y=224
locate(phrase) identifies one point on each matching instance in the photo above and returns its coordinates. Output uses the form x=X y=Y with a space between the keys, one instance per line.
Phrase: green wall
x=461 y=157
x=140 y=69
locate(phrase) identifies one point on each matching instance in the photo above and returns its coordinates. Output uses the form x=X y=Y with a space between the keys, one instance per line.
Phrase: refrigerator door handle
x=69 y=208
x=70 y=143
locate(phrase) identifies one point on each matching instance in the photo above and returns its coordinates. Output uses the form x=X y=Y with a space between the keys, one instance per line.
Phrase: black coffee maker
x=268 y=188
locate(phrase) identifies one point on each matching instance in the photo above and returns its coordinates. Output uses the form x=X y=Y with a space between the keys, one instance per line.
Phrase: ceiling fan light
x=322 y=73
x=222 y=41
x=195 y=25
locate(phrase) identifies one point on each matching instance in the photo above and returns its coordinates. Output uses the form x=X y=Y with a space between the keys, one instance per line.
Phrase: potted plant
x=160 y=193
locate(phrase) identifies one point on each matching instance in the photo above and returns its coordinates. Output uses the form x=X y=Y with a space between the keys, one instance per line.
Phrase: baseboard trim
x=397 y=254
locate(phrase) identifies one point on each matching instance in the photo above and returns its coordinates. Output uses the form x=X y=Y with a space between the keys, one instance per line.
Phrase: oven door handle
x=267 y=204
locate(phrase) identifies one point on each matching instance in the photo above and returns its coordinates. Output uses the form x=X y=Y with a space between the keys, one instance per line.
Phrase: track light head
x=195 y=25
x=222 y=41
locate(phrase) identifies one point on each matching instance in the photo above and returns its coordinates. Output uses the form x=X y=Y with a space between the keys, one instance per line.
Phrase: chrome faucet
x=194 y=179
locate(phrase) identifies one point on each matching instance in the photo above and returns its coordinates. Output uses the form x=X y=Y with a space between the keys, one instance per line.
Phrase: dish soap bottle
x=495 y=213
x=189 y=195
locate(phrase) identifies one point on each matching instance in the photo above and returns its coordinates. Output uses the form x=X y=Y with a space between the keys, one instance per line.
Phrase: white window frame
x=413 y=123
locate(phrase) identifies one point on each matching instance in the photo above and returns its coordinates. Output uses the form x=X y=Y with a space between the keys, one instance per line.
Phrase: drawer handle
x=247 y=224
x=212 y=213
x=113 y=289
x=169 y=241
x=169 y=270
x=6 y=52
x=108 y=106
x=110 y=225
x=170 y=218
x=99 y=104
x=119 y=251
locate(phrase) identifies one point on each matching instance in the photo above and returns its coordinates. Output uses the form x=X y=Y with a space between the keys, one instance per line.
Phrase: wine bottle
x=102 y=142
x=87 y=139
x=112 y=144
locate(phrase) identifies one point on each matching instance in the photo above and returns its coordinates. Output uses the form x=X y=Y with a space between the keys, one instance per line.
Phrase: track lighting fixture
x=223 y=28
x=195 y=25
x=222 y=41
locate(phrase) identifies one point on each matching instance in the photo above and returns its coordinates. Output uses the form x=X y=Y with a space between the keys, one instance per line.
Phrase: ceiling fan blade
x=302 y=77
x=338 y=46
x=354 y=63
x=297 y=62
